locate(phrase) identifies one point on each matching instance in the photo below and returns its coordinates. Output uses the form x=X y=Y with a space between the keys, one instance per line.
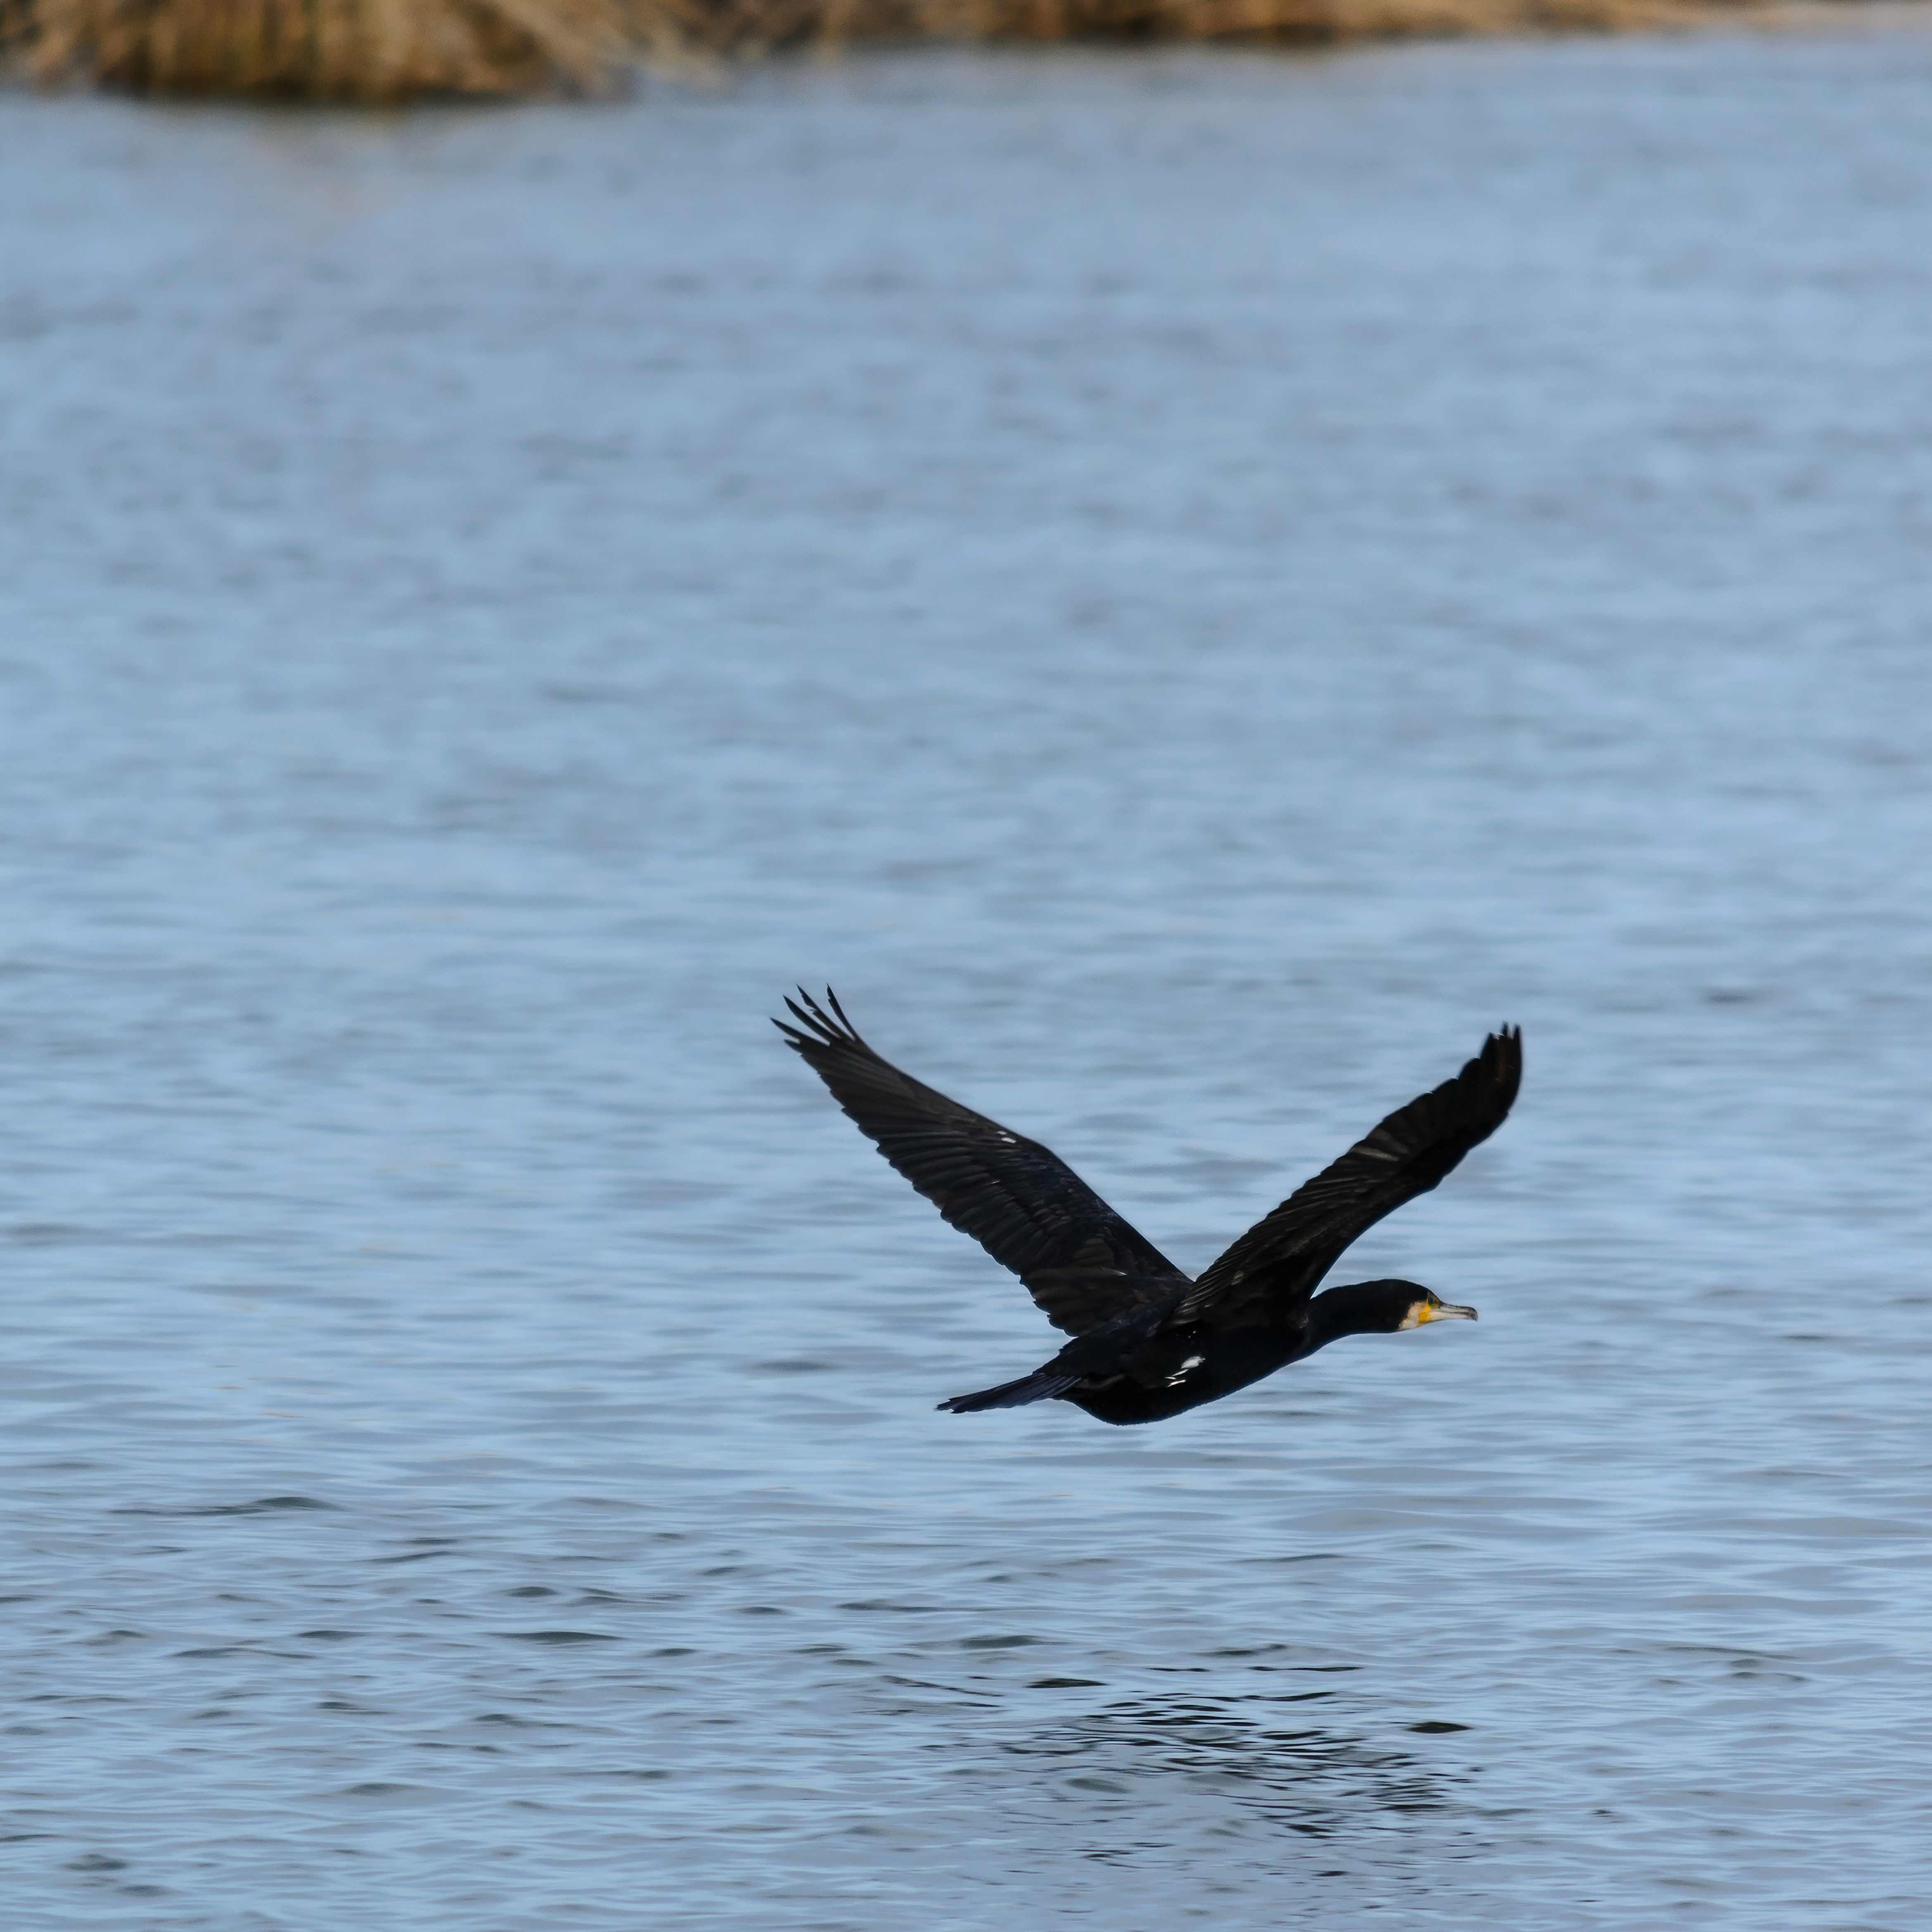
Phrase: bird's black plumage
x=1147 y=1342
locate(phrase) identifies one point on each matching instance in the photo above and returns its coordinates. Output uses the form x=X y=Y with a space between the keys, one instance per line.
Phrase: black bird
x=1148 y=1343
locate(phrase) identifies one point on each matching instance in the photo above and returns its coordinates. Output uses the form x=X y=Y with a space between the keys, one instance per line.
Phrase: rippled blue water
x=1188 y=587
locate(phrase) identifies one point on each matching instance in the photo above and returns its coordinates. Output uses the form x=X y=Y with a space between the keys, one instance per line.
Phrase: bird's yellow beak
x=1444 y=1311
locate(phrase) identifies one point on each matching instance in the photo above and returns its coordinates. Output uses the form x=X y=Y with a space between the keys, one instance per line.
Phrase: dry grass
x=325 y=50
x=381 y=50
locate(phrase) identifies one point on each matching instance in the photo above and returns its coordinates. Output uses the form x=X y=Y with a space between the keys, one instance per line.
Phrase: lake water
x=1188 y=586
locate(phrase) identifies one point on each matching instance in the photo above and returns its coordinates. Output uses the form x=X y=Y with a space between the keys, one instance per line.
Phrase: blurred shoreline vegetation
x=387 y=51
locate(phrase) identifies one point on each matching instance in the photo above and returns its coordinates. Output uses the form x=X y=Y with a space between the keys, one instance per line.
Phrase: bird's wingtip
x=821 y=1028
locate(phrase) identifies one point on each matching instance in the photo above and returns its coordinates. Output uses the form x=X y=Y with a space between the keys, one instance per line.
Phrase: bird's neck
x=1356 y=1309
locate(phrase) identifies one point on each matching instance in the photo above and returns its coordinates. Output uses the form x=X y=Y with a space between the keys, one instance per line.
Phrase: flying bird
x=1147 y=1342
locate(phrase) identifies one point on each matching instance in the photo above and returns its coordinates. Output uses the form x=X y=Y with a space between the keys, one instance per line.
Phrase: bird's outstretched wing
x=1081 y=1262
x=1281 y=1258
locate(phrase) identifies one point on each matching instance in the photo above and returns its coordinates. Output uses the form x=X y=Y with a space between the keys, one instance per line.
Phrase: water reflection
x=1314 y=1779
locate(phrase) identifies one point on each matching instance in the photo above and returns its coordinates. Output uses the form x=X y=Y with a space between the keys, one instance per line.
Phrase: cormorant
x=1147 y=1342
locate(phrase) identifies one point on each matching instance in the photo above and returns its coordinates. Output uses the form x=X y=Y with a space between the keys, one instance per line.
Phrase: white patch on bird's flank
x=1180 y=1374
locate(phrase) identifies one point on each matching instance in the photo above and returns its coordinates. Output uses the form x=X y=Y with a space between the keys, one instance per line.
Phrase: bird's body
x=1179 y=1369
x=1148 y=1342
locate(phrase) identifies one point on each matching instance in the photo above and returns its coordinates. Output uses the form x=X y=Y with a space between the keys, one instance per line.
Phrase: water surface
x=1189 y=586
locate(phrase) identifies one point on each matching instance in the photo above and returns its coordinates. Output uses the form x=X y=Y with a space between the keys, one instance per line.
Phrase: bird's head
x=1385 y=1308
x=1421 y=1304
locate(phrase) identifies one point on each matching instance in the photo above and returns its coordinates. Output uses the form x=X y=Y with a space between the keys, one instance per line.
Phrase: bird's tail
x=1040 y=1386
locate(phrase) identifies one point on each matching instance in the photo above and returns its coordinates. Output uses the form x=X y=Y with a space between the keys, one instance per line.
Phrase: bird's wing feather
x=1282 y=1257
x=1081 y=1262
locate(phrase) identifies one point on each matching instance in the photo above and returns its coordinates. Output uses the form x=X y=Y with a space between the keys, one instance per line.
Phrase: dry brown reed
x=368 y=50
x=386 y=50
